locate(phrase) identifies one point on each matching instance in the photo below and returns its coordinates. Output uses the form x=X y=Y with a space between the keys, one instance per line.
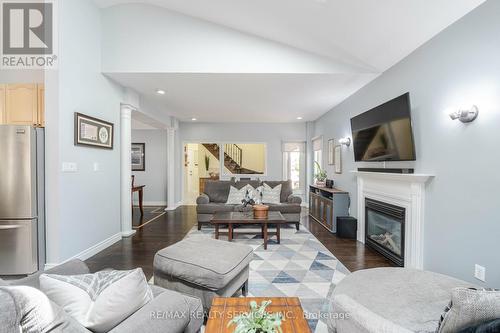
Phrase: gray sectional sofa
x=214 y=200
x=22 y=309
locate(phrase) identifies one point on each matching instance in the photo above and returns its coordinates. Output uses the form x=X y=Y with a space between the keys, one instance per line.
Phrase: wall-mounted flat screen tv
x=384 y=133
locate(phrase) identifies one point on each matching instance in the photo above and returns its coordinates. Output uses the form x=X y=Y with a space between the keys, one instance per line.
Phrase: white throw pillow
x=98 y=301
x=271 y=195
x=254 y=192
x=235 y=196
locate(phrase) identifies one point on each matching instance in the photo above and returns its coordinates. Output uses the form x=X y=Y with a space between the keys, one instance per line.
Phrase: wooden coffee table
x=232 y=218
x=224 y=309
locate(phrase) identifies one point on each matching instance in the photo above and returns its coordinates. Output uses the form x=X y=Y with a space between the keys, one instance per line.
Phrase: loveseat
x=216 y=192
x=22 y=308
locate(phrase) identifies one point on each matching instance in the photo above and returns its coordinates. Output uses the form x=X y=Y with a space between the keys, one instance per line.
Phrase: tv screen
x=384 y=133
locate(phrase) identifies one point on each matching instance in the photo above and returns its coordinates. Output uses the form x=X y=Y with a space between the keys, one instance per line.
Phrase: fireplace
x=385 y=229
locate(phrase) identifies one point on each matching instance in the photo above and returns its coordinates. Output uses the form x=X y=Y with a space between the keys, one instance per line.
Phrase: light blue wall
x=459 y=67
x=155 y=175
x=270 y=133
x=83 y=207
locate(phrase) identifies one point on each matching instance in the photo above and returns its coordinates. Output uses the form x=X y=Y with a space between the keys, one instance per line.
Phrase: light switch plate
x=480 y=272
x=69 y=167
x=96 y=166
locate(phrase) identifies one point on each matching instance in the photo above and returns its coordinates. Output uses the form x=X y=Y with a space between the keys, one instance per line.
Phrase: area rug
x=300 y=266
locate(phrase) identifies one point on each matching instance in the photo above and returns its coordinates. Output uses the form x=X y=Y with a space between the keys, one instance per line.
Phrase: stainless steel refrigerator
x=22 y=200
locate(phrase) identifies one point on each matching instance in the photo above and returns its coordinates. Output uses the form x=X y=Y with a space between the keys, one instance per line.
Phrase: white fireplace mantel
x=403 y=190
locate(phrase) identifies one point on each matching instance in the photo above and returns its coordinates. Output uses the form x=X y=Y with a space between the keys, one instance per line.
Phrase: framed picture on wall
x=331 y=145
x=93 y=132
x=138 y=157
x=338 y=159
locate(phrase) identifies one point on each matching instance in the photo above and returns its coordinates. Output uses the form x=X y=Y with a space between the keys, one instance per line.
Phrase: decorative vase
x=320 y=183
x=260 y=211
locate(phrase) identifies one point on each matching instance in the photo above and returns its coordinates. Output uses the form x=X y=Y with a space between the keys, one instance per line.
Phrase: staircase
x=233 y=157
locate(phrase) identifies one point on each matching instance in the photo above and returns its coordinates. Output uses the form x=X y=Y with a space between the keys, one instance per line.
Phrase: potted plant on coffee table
x=320 y=175
x=258 y=320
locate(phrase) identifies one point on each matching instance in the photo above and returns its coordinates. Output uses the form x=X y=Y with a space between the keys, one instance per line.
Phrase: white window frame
x=302 y=171
x=317 y=147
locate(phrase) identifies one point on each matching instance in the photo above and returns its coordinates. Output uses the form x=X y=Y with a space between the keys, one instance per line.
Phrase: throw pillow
x=469 y=307
x=254 y=193
x=28 y=310
x=271 y=195
x=98 y=301
x=235 y=196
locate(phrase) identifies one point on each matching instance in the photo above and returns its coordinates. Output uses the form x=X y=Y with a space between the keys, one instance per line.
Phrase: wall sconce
x=465 y=116
x=345 y=141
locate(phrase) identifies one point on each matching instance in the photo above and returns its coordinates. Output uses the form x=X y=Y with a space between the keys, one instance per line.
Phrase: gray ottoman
x=204 y=268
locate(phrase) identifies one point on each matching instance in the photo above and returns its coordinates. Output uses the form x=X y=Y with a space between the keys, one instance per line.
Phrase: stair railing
x=234 y=152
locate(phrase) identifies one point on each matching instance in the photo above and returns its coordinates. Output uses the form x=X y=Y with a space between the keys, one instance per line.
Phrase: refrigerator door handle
x=8 y=227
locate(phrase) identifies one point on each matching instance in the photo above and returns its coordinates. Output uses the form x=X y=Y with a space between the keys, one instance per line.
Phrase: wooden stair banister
x=233 y=157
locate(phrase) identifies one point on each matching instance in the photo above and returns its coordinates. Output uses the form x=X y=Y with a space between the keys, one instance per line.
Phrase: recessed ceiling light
x=299 y=118
x=193 y=119
x=160 y=91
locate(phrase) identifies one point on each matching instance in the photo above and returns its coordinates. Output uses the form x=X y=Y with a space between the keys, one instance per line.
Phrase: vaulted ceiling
x=370 y=35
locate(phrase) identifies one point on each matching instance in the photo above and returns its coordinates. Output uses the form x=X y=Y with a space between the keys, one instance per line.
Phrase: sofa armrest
x=170 y=311
x=347 y=315
x=203 y=199
x=293 y=199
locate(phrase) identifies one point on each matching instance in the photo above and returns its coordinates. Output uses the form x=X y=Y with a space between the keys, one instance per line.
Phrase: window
x=317 y=145
x=294 y=165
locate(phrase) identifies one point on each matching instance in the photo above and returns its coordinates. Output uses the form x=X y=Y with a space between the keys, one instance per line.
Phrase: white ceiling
x=245 y=97
x=374 y=35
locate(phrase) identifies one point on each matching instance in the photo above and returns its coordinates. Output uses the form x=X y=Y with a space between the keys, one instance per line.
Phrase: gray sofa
x=216 y=192
x=391 y=300
x=20 y=308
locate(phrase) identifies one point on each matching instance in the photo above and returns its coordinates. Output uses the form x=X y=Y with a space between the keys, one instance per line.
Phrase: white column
x=126 y=169
x=171 y=205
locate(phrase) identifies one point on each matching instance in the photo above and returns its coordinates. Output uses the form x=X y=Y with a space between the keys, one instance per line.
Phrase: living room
x=151 y=88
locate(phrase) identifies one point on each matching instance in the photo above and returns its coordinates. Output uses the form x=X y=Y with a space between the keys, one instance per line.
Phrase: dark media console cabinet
x=326 y=204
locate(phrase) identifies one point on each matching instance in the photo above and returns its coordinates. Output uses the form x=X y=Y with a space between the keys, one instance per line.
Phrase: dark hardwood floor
x=139 y=250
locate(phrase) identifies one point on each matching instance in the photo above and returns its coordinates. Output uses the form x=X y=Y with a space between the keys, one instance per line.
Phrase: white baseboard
x=128 y=233
x=151 y=203
x=177 y=205
x=91 y=251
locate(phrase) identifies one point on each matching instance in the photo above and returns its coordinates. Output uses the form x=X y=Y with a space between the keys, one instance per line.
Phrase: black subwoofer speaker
x=347 y=227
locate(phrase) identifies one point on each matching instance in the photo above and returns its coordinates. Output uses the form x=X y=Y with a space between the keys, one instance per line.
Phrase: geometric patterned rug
x=300 y=266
